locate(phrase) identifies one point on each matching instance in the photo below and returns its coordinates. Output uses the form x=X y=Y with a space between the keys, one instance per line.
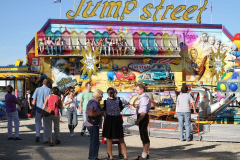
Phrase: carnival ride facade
x=160 y=55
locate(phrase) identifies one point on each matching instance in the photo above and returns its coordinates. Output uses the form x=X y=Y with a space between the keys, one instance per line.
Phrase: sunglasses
x=72 y=91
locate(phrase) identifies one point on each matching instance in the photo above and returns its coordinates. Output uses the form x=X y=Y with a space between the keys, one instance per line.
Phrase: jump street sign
x=130 y=6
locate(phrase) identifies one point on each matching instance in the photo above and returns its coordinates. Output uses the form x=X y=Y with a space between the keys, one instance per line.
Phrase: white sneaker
x=71 y=135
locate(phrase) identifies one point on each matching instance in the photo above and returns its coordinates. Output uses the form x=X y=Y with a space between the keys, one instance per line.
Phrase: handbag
x=66 y=106
x=94 y=120
x=48 y=112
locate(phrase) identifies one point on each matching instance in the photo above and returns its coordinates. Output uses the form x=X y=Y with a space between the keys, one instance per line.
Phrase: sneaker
x=82 y=133
x=71 y=135
x=141 y=158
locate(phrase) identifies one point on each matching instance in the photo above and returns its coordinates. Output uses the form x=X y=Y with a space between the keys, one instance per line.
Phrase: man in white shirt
x=143 y=120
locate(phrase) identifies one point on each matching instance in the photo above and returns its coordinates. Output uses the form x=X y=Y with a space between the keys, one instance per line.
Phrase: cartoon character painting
x=125 y=75
x=112 y=73
x=61 y=70
x=234 y=50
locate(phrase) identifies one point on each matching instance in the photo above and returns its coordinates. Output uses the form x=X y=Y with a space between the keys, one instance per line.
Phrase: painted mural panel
x=196 y=45
x=173 y=55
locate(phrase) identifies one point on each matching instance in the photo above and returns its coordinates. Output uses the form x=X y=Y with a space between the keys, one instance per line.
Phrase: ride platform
x=169 y=129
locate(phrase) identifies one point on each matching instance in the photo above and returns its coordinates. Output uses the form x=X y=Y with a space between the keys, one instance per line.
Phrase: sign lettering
x=130 y=6
x=140 y=67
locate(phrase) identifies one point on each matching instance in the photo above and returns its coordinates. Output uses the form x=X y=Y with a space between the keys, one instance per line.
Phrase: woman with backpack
x=53 y=104
x=113 y=123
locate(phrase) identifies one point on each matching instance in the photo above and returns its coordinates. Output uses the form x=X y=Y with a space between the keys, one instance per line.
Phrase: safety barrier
x=134 y=111
x=168 y=113
x=128 y=108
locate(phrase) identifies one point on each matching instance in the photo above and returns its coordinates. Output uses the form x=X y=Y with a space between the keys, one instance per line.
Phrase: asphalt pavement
x=78 y=146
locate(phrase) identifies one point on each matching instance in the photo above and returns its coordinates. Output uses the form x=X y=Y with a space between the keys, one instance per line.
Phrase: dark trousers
x=94 y=142
x=143 y=129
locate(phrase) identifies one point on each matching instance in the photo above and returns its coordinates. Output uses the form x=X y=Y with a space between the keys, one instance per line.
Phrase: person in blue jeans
x=184 y=112
x=94 y=110
x=85 y=97
x=72 y=105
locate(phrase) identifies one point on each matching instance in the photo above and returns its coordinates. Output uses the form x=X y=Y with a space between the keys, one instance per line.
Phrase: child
x=59 y=45
x=113 y=45
x=99 y=44
x=29 y=102
x=122 y=45
x=41 y=45
x=88 y=43
x=49 y=44
x=106 y=45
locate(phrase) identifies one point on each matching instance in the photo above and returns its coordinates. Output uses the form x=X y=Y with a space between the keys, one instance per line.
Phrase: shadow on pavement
x=77 y=148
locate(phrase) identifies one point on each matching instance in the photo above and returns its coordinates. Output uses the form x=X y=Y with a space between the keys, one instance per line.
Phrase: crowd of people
x=50 y=45
x=47 y=103
x=117 y=46
x=114 y=46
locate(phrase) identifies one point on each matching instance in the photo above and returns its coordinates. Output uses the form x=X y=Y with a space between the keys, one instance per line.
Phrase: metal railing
x=172 y=113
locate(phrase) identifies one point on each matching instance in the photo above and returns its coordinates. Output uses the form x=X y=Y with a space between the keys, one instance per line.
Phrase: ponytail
x=111 y=92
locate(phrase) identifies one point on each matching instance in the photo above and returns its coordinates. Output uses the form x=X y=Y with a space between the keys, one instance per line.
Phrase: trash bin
x=206 y=128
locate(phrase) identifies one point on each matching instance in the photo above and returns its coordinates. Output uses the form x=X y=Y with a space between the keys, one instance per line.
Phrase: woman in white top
x=71 y=105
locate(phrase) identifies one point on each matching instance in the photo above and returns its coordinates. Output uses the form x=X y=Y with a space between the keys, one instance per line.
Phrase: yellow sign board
x=90 y=61
x=130 y=6
x=14 y=69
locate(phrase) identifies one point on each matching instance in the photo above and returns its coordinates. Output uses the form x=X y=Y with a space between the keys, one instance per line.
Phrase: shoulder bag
x=48 y=112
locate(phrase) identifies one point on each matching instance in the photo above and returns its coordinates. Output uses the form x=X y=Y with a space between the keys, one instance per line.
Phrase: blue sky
x=21 y=19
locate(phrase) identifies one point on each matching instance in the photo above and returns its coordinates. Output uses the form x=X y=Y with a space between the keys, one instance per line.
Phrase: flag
x=57 y=1
x=210 y=10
